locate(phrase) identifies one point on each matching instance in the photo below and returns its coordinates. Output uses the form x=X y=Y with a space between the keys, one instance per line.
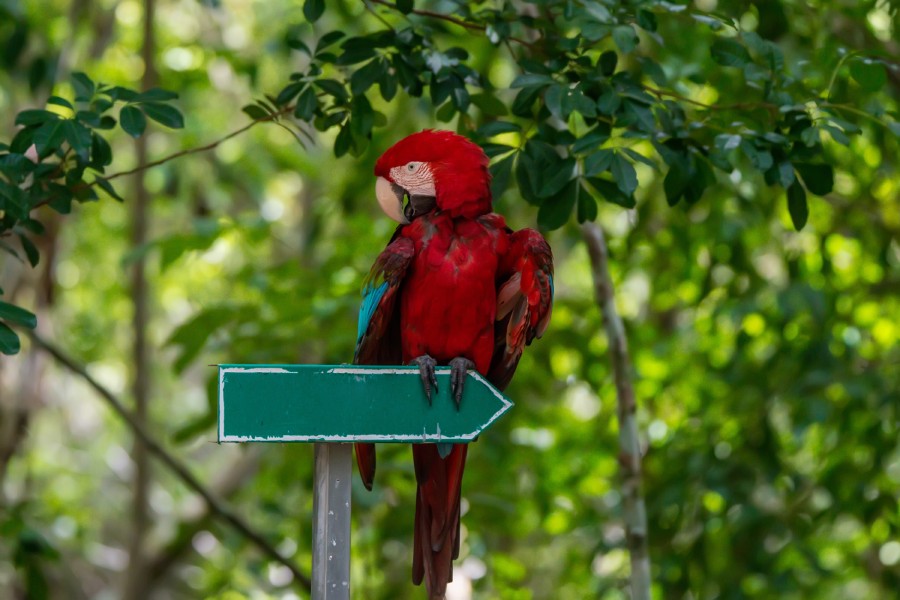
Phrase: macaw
x=455 y=286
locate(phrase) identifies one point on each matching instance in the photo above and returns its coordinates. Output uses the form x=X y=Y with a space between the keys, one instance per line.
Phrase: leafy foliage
x=765 y=358
x=47 y=160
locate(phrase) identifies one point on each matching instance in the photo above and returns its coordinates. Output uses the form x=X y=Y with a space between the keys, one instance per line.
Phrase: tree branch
x=181 y=471
x=450 y=19
x=635 y=514
x=134 y=587
x=205 y=148
x=772 y=108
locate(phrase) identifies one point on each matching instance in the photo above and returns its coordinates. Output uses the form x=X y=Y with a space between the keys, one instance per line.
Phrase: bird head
x=435 y=170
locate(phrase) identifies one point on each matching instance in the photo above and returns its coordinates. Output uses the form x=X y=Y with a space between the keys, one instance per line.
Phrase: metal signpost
x=334 y=405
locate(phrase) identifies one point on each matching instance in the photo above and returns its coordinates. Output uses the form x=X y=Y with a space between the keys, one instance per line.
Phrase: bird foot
x=426 y=366
x=459 y=366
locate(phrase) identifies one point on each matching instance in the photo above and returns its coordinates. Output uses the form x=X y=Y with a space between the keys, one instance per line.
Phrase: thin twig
x=156 y=449
x=635 y=514
x=738 y=106
x=205 y=148
x=450 y=19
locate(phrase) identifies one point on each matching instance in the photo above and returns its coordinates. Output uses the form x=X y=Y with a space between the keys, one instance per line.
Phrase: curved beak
x=390 y=198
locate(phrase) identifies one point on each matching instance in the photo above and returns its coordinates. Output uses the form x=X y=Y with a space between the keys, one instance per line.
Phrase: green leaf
x=786 y=174
x=489 y=104
x=9 y=341
x=590 y=140
x=362 y=50
x=343 y=141
x=553 y=99
x=797 y=205
x=870 y=75
x=84 y=87
x=364 y=77
x=255 y=112
x=155 y=95
x=624 y=174
x=676 y=181
x=637 y=156
x=334 y=88
x=313 y=9
x=30 y=249
x=132 y=121
x=35 y=117
x=625 y=37
x=164 y=114
x=525 y=178
x=49 y=136
x=555 y=176
x=837 y=134
x=89 y=118
x=500 y=174
x=611 y=192
x=646 y=20
x=101 y=153
x=586 y=206
x=598 y=162
x=609 y=102
x=729 y=52
x=607 y=62
x=555 y=211
x=107 y=187
x=531 y=80
x=819 y=178
x=307 y=103
x=78 y=136
x=330 y=38
x=297 y=44
x=288 y=93
x=497 y=127
x=14 y=314
x=446 y=112
x=524 y=101
x=56 y=100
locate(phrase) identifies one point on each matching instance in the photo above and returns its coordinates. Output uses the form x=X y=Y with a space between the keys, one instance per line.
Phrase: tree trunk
x=135 y=585
x=635 y=514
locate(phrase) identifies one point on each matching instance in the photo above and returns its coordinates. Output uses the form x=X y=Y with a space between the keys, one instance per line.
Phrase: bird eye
x=411 y=167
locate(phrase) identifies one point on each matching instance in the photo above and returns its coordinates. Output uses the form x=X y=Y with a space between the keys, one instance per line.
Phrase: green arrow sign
x=350 y=403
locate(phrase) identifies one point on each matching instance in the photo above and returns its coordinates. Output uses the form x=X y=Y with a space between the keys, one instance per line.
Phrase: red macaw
x=455 y=286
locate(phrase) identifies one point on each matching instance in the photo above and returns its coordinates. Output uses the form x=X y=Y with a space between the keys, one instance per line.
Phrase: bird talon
x=459 y=367
x=426 y=366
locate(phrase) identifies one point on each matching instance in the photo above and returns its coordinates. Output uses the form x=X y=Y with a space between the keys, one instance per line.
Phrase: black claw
x=426 y=366
x=459 y=366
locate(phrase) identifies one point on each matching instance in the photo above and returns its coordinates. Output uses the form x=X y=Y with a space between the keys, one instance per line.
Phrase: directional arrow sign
x=349 y=403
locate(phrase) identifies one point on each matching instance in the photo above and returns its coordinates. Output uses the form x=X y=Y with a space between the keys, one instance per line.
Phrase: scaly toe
x=426 y=366
x=459 y=367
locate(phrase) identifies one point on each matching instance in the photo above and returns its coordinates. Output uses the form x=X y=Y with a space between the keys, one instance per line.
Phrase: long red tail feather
x=436 y=540
x=365 y=461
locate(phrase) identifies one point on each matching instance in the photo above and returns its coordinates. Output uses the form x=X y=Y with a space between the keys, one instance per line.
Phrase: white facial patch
x=415 y=177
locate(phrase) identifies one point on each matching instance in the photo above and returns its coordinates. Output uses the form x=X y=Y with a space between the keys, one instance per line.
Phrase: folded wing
x=524 y=301
x=378 y=332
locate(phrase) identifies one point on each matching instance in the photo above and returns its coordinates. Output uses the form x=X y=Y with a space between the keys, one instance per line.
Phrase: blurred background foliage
x=766 y=360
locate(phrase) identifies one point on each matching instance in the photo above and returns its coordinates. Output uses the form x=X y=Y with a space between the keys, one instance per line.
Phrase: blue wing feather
x=371 y=297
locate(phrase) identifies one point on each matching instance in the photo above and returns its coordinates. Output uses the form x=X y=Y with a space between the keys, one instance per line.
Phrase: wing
x=524 y=301
x=378 y=332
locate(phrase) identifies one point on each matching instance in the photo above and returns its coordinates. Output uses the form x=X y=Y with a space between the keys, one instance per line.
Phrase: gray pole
x=331 y=537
